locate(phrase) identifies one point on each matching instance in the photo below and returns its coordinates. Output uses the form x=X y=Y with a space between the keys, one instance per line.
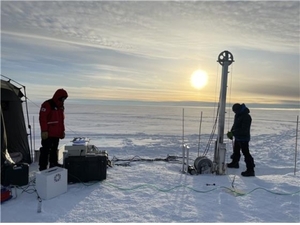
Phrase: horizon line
x=289 y=105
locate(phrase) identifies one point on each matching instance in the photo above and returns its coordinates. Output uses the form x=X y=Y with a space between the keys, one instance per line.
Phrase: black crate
x=15 y=174
x=86 y=168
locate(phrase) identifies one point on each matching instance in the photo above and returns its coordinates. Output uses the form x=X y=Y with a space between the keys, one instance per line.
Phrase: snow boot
x=248 y=173
x=56 y=164
x=41 y=168
x=233 y=165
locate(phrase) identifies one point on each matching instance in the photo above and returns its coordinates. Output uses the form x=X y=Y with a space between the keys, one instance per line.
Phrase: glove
x=44 y=135
x=230 y=135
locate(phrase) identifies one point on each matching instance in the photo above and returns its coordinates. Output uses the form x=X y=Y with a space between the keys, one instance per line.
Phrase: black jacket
x=242 y=124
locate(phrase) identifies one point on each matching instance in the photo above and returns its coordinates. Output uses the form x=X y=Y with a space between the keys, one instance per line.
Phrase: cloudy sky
x=148 y=50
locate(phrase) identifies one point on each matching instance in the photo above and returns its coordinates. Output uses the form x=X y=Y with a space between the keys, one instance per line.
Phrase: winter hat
x=236 y=107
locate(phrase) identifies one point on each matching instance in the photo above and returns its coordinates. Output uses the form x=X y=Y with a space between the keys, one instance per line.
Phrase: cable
x=138 y=158
x=200 y=123
x=211 y=134
x=216 y=118
x=156 y=188
x=229 y=114
x=237 y=193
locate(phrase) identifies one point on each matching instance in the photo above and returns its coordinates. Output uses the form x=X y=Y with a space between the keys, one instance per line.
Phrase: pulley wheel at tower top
x=225 y=56
x=203 y=165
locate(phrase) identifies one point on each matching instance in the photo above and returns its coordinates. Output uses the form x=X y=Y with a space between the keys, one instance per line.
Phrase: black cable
x=138 y=158
x=212 y=133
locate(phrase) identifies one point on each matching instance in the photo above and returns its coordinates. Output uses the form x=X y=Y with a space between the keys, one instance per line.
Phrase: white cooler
x=51 y=182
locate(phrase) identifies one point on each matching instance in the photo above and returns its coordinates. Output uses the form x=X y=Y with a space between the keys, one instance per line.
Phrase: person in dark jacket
x=241 y=133
x=51 y=119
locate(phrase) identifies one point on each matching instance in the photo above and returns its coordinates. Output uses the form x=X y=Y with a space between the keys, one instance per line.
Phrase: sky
x=159 y=191
x=148 y=50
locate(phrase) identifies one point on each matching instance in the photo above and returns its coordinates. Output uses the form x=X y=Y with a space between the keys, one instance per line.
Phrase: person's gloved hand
x=230 y=135
x=44 y=135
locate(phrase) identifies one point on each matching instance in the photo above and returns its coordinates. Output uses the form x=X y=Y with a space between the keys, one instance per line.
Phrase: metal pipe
x=187 y=157
x=183 y=146
x=199 y=133
x=225 y=59
x=33 y=134
x=296 y=145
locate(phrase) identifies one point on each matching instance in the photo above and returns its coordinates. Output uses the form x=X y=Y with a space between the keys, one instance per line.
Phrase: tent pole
x=296 y=145
x=29 y=126
x=33 y=132
x=183 y=145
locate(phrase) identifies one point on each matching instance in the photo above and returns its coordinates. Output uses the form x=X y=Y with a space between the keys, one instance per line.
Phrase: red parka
x=52 y=115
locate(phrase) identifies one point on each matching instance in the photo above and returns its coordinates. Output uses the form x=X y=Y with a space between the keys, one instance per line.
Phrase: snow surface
x=159 y=191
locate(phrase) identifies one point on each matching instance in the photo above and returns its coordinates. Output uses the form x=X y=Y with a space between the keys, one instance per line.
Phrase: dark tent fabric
x=14 y=137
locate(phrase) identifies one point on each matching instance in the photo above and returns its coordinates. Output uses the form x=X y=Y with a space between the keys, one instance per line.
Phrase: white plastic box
x=51 y=182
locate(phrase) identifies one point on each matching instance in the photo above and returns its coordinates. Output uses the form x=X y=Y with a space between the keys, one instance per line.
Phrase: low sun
x=199 y=79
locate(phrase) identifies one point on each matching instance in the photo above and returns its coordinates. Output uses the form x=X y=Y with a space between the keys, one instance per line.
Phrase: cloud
x=126 y=47
x=159 y=28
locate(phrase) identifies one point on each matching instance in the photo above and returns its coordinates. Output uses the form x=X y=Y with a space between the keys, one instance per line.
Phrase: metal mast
x=202 y=164
x=225 y=59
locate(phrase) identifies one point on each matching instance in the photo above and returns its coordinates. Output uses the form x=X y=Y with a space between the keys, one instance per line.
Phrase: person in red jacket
x=52 y=128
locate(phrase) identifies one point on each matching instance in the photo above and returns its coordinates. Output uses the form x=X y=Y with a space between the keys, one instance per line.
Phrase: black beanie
x=236 y=107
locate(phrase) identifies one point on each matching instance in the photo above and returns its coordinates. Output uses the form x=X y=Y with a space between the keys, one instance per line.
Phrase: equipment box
x=86 y=168
x=15 y=174
x=51 y=182
x=76 y=150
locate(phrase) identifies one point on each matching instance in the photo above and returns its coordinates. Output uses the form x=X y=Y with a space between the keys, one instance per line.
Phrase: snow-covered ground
x=158 y=191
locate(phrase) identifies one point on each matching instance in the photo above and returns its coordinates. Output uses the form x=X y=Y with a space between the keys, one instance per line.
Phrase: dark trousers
x=49 y=152
x=244 y=146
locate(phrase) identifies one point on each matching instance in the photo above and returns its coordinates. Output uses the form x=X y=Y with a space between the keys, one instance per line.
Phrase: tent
x=14 y=136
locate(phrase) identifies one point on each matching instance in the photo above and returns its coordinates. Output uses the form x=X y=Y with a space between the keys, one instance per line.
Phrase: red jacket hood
x=60 y=93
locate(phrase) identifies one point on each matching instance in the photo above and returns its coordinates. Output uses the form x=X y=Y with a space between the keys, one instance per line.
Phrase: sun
x=199 y=79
